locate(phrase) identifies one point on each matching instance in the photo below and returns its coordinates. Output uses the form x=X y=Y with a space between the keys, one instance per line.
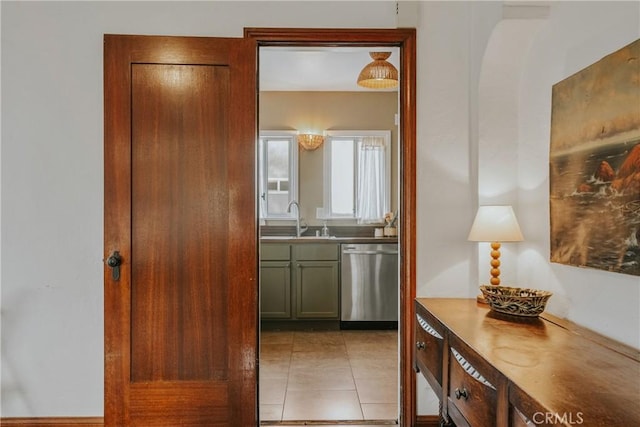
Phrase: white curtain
x=371 y=193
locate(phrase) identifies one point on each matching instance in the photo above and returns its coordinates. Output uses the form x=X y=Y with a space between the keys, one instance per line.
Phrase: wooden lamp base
x=495 y=269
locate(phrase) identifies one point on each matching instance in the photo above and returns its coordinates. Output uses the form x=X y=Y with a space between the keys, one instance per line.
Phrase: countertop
x=332 y=239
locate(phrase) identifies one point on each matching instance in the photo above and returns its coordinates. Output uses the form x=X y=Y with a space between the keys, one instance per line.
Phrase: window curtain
x=371 y=188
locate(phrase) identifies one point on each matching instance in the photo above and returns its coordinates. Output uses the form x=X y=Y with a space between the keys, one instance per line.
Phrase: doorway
x=404 y=41
x=144 y=368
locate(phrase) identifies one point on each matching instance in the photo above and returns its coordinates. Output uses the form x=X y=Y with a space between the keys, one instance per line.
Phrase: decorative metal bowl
x=516 y=301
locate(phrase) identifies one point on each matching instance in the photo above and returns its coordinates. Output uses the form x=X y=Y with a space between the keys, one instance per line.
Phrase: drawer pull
x=427 y=327
x=420 y=345
x=469 y=369
x=462 y=393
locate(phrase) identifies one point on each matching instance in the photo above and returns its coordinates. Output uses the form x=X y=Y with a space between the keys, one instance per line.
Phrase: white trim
x=329 y=134
x=293 y=169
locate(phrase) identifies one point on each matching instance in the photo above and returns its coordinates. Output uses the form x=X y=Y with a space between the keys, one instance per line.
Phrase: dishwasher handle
x=353 y=251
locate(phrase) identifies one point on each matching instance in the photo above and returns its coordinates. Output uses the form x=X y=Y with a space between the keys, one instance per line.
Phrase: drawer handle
x=420 y=345
x=462 y=393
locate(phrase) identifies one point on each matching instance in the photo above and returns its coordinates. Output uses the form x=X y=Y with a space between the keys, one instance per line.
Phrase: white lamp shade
x=495 y=224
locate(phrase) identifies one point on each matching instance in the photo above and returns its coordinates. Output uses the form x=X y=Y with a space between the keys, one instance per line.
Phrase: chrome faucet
x=299 y=229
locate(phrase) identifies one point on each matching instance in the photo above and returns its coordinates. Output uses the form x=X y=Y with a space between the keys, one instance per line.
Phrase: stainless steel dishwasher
x=369 y=281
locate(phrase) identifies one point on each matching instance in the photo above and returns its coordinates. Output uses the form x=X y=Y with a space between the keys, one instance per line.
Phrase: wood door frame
x=405 y=39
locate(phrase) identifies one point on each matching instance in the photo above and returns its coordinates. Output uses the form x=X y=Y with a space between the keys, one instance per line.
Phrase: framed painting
x=594 y=165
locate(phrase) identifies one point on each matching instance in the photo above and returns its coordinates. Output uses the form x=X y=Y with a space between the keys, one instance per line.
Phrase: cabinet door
x=317 y=290
x=275 y=290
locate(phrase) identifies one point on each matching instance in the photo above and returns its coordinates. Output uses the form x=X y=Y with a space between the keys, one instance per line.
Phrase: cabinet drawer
x=518 y=419
x=525 y=411
x=471 y=394
x=275 y=252
x=428 y=349
x=316 y=251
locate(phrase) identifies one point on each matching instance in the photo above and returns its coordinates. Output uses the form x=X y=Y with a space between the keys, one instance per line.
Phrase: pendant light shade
x=379 y=74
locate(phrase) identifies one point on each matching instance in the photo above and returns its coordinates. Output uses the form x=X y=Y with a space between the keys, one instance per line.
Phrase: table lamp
x=495 y=224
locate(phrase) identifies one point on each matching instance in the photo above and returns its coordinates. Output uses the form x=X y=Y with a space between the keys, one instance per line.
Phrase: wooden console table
x=495 y=370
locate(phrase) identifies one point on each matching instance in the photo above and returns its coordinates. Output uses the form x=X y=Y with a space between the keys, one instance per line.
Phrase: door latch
x=114 y=261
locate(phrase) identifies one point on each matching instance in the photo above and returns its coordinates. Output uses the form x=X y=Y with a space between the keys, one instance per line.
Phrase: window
x=357 y=175
x=278 y=172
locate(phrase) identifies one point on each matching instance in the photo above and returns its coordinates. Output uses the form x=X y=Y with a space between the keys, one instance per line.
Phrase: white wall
x=576 y=35
x=51 y=277
x=52 y=185
x=483 y=132
x=511 y=141
x=451 y=42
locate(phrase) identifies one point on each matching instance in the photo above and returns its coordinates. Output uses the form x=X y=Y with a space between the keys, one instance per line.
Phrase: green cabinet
x=275 y=289
x=299 y=281
x=317 y=289
x=317 y=276
x=275 y=281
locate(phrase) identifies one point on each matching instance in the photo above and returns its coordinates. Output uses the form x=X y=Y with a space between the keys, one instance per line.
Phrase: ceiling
x=317 y=68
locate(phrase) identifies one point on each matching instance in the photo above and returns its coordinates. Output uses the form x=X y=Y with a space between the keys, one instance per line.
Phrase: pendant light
x=379 y=74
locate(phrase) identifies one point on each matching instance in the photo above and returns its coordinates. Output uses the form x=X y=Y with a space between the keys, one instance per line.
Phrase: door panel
x=181 y=322
x=178 y=318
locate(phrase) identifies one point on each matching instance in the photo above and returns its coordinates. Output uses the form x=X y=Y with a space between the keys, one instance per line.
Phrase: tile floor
x=328 y=376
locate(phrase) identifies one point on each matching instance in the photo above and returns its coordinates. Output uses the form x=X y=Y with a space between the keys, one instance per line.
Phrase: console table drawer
x=518 y=419
x=428 y=351
x=526 y=412
x=473 y=390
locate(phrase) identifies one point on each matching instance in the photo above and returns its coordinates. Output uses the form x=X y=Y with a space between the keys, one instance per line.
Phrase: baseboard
x=53 y=422
x=427 y=421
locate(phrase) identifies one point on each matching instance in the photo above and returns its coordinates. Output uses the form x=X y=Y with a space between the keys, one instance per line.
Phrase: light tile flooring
x=328 y=376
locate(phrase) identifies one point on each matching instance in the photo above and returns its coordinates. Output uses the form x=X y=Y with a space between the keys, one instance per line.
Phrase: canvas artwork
x=594 y=165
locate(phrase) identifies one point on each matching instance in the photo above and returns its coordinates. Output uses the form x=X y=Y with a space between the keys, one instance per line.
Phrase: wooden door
x=181 y=318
